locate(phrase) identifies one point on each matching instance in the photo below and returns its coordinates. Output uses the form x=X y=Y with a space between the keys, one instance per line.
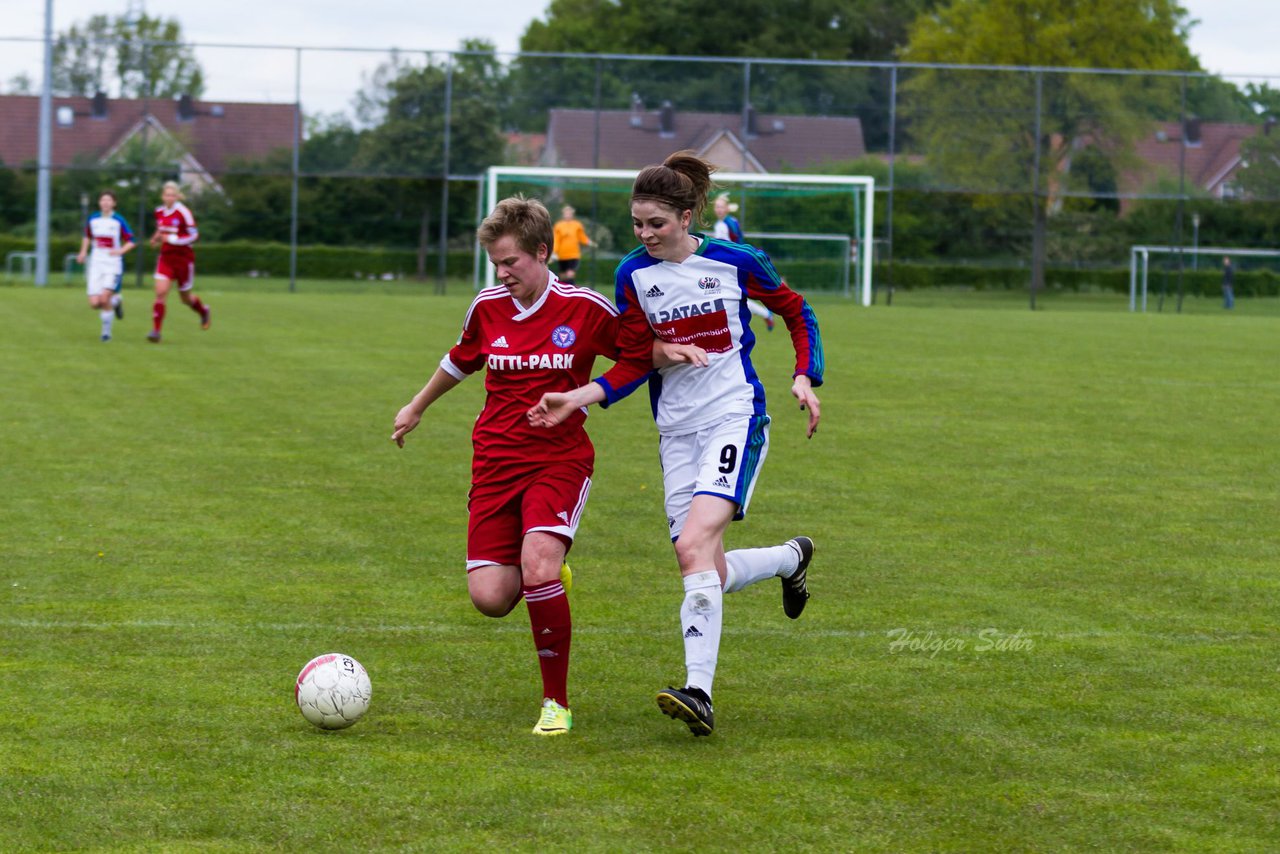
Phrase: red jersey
x=529 y=352
x=178 y=227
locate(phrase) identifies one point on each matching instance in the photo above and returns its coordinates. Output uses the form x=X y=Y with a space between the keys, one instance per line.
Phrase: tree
x=815 y=29
x=138 y=58
x=1260 y=177
x=409 y=139
x=979 y=129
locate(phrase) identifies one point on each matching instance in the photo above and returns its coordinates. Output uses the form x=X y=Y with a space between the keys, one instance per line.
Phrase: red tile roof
x=1208 y=162
x=243 y=130
x=634 y=140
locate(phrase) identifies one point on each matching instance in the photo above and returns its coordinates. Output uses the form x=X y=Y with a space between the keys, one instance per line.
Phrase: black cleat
x=690 y=705
x=119 y=309
x=795 y=590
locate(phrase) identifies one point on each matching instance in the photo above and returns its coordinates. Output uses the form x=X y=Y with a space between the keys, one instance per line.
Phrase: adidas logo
x=692 y=632
x=654 y=292
x=721 y=482
x=546 y=653
x=563 y=517
x=546 y=631
x=500 y=341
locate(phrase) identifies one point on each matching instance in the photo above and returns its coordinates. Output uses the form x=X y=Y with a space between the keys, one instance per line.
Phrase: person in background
x=107 y=238
x=570 y=237
x=1228 y=284
x=174 y=235
x=728 y=228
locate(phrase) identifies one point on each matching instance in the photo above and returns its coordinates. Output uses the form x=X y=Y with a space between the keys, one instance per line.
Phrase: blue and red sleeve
x=635 y=347
x=126 y=234
x=764 y=284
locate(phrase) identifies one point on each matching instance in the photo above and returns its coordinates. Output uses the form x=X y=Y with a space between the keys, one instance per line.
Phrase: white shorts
x=103 y=280
x=723 y=460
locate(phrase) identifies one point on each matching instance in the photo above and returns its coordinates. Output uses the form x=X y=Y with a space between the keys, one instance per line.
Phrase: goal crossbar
x=1140 y=264
x=865 y=183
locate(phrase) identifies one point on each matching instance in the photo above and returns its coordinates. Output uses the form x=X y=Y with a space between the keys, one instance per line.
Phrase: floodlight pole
x=888 y=211
x=443 y=264
x=45 y=154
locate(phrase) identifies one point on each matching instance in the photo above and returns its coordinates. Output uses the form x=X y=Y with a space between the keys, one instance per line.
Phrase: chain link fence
x=343 y=165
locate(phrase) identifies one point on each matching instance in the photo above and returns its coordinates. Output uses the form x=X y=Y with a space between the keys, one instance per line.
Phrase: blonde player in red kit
x=174 y=235
x=534 y=334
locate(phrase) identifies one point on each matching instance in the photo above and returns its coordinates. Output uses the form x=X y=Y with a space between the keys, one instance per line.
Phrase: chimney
x=99 y=108
x=667 y=119
x=637 y=110
x=753 y=123
x=186 y=108
x=1191 y=131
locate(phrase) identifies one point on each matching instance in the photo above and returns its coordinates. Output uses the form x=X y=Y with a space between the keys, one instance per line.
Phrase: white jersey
x=703 y=301
x=107 y=233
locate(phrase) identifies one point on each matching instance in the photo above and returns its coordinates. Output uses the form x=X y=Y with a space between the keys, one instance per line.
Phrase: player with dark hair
x=534 y=334
x=709 y=404
x=174 y=235
x=107 y=238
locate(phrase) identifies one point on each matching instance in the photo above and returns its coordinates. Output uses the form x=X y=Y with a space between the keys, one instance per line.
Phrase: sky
x=1235 y=37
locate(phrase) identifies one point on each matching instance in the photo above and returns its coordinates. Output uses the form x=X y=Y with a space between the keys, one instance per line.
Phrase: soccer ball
x=333 y=691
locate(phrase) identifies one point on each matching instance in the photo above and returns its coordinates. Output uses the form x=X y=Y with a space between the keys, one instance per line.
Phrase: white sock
x=115 y=299
x=748 y=566
x=758 y=309
x=107 y=316
x=701 y=616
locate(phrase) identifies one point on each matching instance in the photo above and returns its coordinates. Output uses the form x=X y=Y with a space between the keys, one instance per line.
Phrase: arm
x=124 y=249
x=411 y=413
x=84 y=250
x=764 y=284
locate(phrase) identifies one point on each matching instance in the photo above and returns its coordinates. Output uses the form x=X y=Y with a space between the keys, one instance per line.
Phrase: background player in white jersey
x=709 y=406
x=728 y=227
x=106 y=240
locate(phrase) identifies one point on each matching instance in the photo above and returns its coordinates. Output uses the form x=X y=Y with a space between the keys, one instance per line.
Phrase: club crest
x=709 y=283
x=563 y=337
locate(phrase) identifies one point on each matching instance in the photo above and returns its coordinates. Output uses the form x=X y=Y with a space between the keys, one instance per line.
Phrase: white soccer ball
x=333 y=691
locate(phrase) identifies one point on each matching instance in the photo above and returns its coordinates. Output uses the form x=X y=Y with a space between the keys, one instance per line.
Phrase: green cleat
x=555 y=719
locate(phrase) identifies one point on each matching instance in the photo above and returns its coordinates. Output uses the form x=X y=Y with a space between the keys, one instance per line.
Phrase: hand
x=80 y=258
x=553 y=409
x=156 y=239
x=406 y=419
x=665 y=353
x=802 y=390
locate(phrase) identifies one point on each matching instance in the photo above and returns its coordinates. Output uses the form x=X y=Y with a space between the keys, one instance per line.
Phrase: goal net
x=1146 y=263
x=811 y=226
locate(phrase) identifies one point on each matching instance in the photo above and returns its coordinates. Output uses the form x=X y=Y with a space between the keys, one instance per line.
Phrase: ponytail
x=682 y=182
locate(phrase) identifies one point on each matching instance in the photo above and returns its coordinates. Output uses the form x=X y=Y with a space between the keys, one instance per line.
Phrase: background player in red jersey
x=175 y=233
x=534 y=334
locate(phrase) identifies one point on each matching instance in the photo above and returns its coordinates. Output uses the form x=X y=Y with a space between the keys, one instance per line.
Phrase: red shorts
x=177 y=269
x=550 y=499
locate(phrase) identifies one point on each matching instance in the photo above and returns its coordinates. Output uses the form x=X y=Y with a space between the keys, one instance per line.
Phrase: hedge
x=239 y=258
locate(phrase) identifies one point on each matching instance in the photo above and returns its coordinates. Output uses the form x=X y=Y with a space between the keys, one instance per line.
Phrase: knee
x=540 y=560
x=493 y=603
x=691 y=550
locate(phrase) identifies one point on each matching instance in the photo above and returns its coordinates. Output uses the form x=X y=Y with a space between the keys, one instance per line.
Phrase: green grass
x=183 y=526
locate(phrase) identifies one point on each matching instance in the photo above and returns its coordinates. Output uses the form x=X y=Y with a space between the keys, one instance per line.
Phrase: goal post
x=1140 y=264
x=828 y=216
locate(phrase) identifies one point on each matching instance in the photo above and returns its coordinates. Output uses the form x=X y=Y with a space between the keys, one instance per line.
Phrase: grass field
x=1044 y=615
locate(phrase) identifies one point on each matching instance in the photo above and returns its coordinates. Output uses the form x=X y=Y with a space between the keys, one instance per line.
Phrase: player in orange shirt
x=570 y=237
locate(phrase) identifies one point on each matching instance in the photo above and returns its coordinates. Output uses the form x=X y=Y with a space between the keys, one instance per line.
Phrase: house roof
x=1209 y=162
x=635 y=139
x=241 y=131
